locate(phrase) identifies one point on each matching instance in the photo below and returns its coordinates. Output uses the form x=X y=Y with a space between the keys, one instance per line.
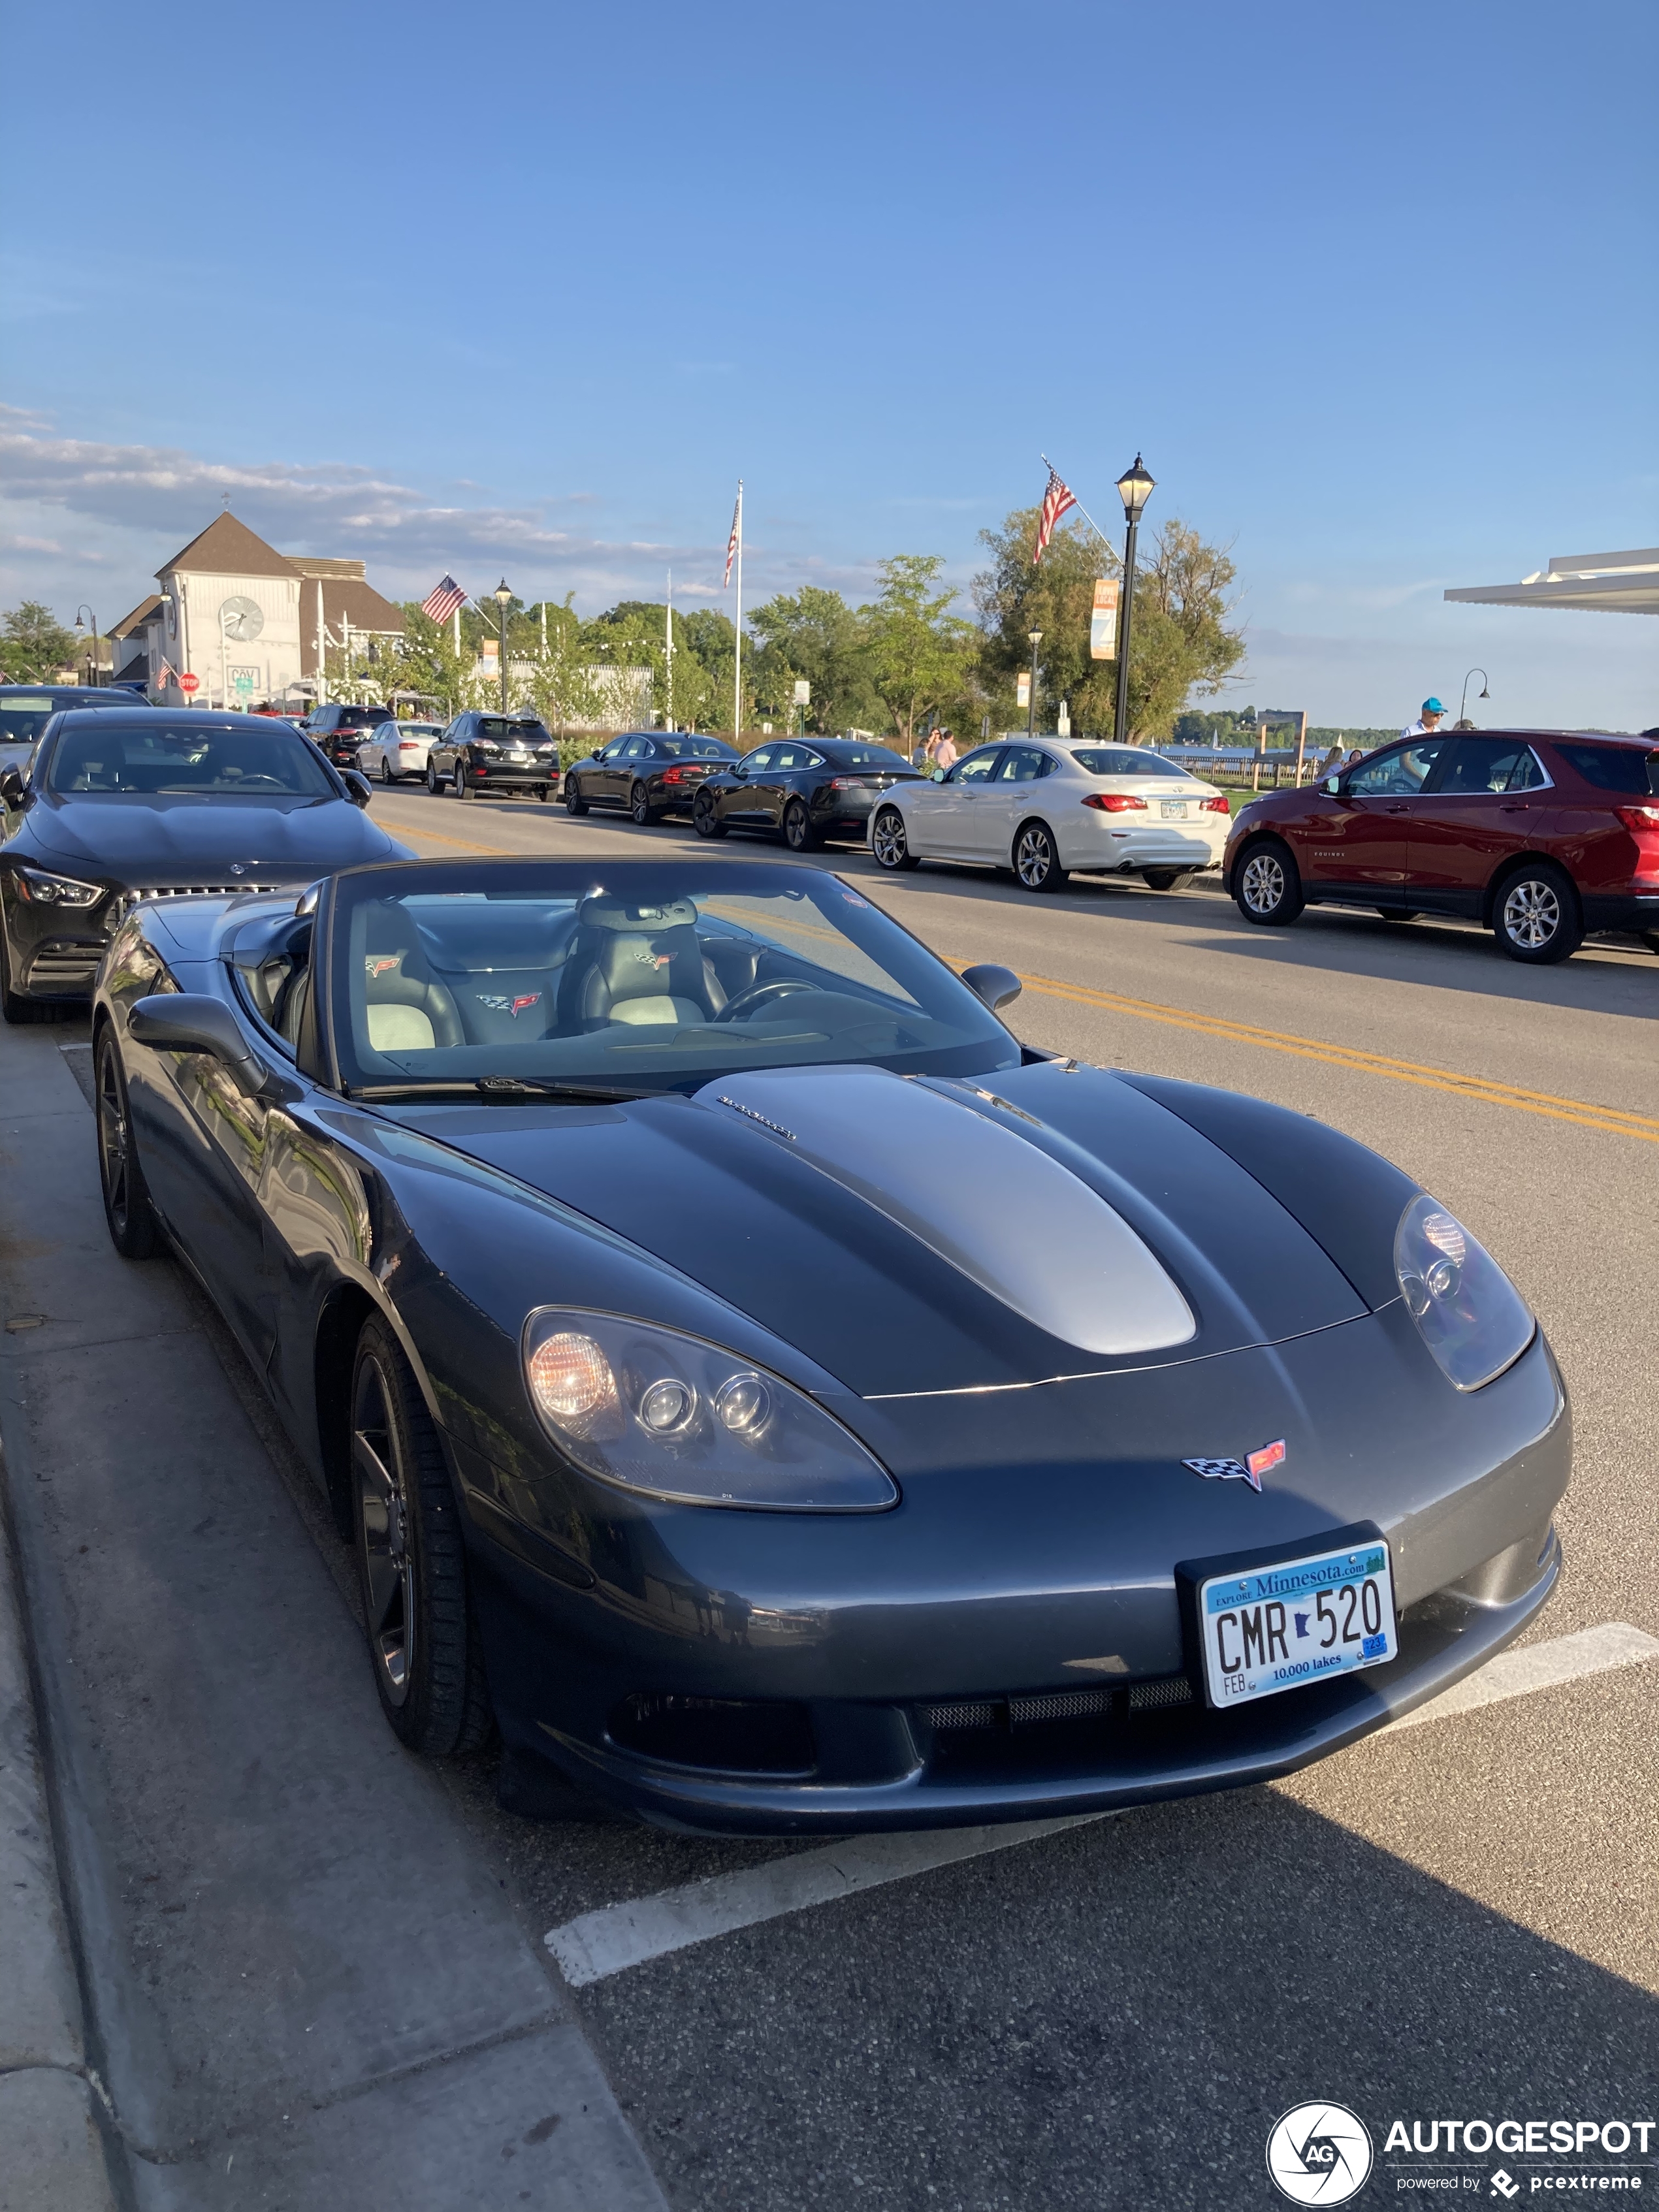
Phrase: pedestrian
x=945 y=756
x=1427 y=722
x=921 y=753
x=1355 y=757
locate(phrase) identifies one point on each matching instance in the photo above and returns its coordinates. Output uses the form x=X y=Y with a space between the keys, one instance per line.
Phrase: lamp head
x=502 y=594
x=1036 y=637
x=1134 y=489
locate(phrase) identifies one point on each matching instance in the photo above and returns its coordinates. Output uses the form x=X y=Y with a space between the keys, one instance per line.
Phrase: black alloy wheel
x=433 y=783
x=573 y=801
x=13 y=1006
x=639 y=806
x=1036 y=860
x=411 y=1563
x=798 y=835
x=1268 y=888
x=1168 y=879
x=889 y=842
x=1535 y=916
x=133 y=1229
x=704 y=819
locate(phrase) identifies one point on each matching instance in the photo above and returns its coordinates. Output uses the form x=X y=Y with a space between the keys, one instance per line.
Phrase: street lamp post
x=503 y=600
x=1484 y=692
x=1034 y=636
x=1134 y=488
x=97 y=672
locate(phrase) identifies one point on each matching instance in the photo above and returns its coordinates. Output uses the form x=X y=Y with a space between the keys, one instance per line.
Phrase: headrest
x=604 y=911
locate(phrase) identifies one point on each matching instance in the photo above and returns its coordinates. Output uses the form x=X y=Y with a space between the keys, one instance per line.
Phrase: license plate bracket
x=1174 y=810
x=1285 y=1615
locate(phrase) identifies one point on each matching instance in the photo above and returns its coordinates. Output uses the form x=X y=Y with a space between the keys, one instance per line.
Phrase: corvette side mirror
x=359 y=789
x=183 y=1021
x=996 y=986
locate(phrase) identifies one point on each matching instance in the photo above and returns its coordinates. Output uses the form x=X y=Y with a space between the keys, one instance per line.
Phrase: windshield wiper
x=506 y=1089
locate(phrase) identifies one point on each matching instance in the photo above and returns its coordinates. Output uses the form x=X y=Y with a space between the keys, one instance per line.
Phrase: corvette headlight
x=1472 y=1318
x=671 y=1416
x=39 y=888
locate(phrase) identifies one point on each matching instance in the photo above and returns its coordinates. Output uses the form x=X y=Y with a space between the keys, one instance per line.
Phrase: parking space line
x=1537 y=1667
x=596 y=1945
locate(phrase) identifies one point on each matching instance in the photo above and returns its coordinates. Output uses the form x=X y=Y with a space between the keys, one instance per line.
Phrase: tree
x=1180 y=640
x=34 y=644
x=816 y=634
x=917 y=650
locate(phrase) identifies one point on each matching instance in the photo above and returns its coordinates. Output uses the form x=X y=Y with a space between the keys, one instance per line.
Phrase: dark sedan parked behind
x=157 y=803
x=339 y=730
x=26 y=708
x=494 y=752
x=809 y=788
x=648 y=773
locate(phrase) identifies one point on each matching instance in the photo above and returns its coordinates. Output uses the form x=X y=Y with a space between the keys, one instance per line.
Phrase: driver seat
x=636 y=962
x=405 y=1008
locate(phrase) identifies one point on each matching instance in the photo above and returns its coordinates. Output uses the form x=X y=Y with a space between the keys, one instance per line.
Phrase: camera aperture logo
x=1319 y=2155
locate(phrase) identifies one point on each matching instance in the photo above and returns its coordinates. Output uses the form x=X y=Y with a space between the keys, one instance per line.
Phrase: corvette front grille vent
x=1017 y=1710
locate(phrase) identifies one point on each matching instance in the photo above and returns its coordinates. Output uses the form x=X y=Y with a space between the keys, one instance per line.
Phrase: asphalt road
x=1460 y=1920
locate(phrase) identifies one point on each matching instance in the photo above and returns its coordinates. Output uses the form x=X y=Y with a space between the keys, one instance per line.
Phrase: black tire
x=573 y=801
x=458 y=785
x=1167 y=879
x=133 y=1229
x=889 y=842
x=704 y=820
x=1267 y=885
x=411 y=1562
x=542 y=792
x=386 y=776
x=433 y=781
x=1399 y=912
x=1536 y=914
x=798 y=835
x=1650 y=938
x=1037 y=858
x=639 y=806
x=15 y=1008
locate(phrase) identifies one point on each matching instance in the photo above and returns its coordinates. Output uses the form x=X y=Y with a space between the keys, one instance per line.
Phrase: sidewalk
x=304 y=1987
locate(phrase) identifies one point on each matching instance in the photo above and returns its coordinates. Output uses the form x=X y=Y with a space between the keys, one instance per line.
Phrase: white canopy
x=1606 y=583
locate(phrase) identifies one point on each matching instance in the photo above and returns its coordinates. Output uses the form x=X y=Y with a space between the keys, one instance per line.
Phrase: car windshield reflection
x=662 y=978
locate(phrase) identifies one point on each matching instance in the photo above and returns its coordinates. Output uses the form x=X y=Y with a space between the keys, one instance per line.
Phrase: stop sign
x=189 y=684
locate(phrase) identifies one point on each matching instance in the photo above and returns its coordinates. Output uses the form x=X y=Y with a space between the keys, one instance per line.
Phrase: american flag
x=1055 y=502
x=734 y=542
x=441 y=601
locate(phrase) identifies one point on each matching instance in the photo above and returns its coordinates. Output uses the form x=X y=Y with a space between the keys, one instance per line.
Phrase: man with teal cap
x=1428 y=721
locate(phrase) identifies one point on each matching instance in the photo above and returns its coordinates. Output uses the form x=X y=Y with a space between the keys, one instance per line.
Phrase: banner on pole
x=1023 y=688
x=1103 y=622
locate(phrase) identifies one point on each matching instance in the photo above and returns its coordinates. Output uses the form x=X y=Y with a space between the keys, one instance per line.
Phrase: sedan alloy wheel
x=386 y=776
x=1037 y=862
x=798 y=834
x=432 y=782
x=889 y=842
x=133 y=1228
x=704 y=819
x=639 y=806
x=573 y=801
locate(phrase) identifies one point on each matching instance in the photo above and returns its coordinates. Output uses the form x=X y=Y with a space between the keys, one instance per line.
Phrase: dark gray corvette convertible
x=781 y=1402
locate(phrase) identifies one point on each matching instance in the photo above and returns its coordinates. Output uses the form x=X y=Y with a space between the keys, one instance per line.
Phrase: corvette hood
x=921 y=1235
x=160 y=838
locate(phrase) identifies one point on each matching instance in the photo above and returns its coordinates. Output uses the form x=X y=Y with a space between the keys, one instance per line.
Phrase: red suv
x=1542 y=835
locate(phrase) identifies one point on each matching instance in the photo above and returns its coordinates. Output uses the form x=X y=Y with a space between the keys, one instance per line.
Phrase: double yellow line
x=1612 y=1120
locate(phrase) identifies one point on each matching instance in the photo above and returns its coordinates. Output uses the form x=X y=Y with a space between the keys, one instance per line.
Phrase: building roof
x=140 y=615
x=311 y=564
x=344 y=600
x=229 y=547
x=1601 y=583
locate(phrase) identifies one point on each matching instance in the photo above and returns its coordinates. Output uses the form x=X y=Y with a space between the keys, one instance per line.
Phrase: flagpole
x=1082 y=510
x=668 y=645
x=736 y=710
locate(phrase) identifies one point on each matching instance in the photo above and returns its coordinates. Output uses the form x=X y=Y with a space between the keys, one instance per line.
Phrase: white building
x=249 y=624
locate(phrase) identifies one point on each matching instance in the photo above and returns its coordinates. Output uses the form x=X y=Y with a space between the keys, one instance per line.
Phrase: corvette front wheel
x=411 y=1563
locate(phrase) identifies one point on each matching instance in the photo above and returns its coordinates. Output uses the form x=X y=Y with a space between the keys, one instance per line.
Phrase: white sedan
x=393 y=751
x=1054 y=804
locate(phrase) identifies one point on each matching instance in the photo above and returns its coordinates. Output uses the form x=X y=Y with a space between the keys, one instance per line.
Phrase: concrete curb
x=51 y=2149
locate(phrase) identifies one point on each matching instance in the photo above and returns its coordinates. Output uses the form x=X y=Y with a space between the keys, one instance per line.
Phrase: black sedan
x=157 y=802
x=646 y=773
x=482 y=753
x=805 y=789
x=781 y=1402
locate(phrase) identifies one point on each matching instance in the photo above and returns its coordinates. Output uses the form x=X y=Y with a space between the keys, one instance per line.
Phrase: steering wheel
x=245 y=781
x=735 y=1008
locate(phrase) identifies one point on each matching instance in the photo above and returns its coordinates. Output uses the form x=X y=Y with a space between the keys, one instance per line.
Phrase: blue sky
x=525 y=288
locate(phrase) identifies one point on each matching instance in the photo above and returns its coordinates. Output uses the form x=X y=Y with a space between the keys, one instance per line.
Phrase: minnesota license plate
x=1272 y=1628
x=1174 y=810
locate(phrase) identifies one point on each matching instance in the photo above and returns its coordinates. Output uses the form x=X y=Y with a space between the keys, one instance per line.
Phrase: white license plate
x=1275 y=1627
x=518 y=760
x=1174 y=810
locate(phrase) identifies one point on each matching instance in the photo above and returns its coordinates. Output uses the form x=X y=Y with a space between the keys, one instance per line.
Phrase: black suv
x=340 y=730
x=494 y=752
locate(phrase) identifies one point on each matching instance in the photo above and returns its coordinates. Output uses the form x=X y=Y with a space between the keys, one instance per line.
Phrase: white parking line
x=596 y=1945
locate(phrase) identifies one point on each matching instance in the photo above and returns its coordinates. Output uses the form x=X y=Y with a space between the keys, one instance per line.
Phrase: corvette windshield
x=645 y=977
x=116 y=757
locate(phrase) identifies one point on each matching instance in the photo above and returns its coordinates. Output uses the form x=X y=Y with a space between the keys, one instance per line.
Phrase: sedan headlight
x=671 y=1417
x=1472 y=1318
x=39 y=888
